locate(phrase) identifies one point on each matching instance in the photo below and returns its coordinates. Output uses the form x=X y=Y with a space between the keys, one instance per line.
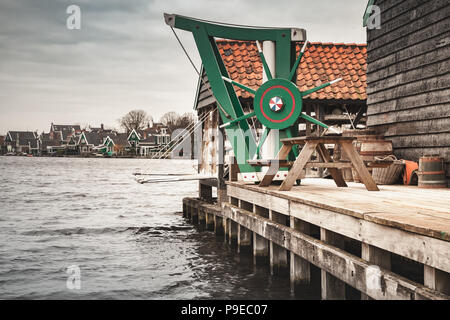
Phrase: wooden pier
x=392 y=244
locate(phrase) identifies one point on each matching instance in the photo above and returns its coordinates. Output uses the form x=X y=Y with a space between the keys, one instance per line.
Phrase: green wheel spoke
x=264 y=62
x=307 y=92
x=313 y=120
x=297 y=62
x=244 y=117
x=237 y=84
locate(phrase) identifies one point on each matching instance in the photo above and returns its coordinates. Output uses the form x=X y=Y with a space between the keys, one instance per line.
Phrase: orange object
x=411 y=169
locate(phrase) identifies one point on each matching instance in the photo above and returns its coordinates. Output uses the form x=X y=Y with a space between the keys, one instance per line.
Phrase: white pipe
x=270 y=147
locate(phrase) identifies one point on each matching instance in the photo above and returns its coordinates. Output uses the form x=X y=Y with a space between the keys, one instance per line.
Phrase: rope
x=185 y=52
x=176 y=137
x=200 y=76
x=185 y=135
x=183 y=138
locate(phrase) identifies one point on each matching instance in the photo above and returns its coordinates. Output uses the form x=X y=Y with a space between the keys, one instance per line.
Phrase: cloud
x=124 y=56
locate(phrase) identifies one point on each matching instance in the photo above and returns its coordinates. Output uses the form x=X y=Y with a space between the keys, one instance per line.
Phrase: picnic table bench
x=312 y=144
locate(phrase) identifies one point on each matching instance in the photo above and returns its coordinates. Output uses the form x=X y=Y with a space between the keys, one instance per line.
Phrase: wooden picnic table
x=312 y=144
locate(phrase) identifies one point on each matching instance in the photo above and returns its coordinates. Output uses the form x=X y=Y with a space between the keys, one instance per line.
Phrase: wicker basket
x=389 y=175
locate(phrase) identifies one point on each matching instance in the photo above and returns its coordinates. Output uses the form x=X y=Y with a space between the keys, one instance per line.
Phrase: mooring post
x=226 y=228
x=378 y=257
x=300 y=271
x=218 y=226
x=201 y=219
x=332 y=287
x=260 y=244
x=233 y=232
x=209 y=221
x=436 y=279
x=244 y=239
x=188 y=211
x=278 y=254
x=194 y=215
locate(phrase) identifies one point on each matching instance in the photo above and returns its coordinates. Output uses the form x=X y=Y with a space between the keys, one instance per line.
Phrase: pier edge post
x=378 y=257
x=332 y=288
x=278 y=254
x=260 y=244
x=436 y=279
x=300 y=269
x=244 y=239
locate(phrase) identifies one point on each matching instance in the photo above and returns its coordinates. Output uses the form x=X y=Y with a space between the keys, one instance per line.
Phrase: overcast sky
x=125 y=57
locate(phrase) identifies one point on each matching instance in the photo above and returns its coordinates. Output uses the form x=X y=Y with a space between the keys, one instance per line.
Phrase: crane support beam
x=242 y=139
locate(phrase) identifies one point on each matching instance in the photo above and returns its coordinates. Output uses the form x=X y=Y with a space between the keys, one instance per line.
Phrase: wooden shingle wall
x=409 y=79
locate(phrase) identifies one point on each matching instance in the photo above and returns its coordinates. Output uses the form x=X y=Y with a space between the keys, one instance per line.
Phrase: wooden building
x=408 y=76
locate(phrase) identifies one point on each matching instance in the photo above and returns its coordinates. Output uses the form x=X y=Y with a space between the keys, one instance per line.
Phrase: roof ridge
x=310 y=42
x=337 y=44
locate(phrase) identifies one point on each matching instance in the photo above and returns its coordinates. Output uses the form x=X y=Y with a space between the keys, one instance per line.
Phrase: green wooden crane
x=277 y=103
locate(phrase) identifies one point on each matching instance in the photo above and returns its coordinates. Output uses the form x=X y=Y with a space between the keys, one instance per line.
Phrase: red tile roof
x=321 y=63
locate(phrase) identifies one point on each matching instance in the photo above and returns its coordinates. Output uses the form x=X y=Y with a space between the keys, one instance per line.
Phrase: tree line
x=139 y=120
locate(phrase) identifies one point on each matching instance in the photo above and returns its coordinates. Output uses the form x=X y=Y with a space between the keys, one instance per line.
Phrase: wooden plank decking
x=325 y=226
x=421 y=211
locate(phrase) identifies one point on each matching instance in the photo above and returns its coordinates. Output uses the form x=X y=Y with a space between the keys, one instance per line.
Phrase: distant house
x=49 y=146
x=63 y=132
x=2 y=145
x=107 y=148
x=88 y=142
x=133 y=140
x=157 y=130
x=22 y=142
x=148 y=146
x=121 y=145
x=148 y=142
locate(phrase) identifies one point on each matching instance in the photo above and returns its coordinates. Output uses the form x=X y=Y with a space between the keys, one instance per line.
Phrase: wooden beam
x=375 y=282
x=335 y=173
x=273 y=169
x=359 y=166
x=298 y=166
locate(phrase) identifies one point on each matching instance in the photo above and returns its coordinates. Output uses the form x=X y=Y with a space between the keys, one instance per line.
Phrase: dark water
x=128 y=240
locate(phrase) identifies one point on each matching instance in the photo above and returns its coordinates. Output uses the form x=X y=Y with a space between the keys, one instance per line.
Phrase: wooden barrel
x=359 y=134
x=431 y=172
x=371 y=148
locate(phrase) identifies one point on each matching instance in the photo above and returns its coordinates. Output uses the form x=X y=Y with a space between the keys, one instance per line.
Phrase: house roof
x=322 y=62
x=64 y=132
x=133 y=132
x=93 y=138
x=64 y=127
x=120 y=139
x=25 y=138
x=150 y=140
x=157 y=128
